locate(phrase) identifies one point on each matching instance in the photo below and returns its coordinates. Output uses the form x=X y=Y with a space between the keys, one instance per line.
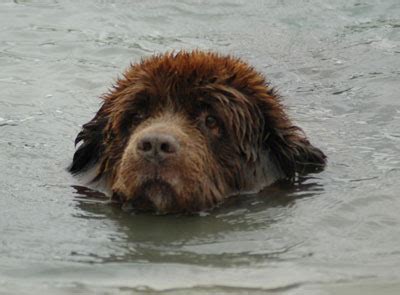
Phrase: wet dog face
x=181 y=132
x=169 y=164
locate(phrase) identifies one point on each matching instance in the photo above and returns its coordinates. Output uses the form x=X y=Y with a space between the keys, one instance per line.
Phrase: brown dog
x=182 y=131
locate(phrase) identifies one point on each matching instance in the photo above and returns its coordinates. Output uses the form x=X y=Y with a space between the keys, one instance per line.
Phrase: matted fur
x=248 y=143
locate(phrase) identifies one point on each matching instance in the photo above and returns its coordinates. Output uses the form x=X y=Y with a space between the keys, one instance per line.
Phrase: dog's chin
x=154 y=195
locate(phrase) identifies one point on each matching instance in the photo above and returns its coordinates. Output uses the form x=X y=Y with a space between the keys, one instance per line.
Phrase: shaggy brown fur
x=182 y=131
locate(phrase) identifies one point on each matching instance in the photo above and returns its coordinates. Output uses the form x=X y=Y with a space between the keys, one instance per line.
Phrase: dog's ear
x=92 y=136
x=289 y=147
x=293 y=153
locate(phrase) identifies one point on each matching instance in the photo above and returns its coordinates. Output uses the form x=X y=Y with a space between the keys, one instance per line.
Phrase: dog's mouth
x=155 y=195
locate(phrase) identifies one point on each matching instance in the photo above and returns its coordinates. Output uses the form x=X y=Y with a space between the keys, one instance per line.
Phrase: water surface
x=335 y=62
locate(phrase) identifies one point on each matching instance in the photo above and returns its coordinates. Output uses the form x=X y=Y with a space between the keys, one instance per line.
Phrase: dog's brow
x=141 y=99
x=217 y=104
x=141 y=96
x=215 y=100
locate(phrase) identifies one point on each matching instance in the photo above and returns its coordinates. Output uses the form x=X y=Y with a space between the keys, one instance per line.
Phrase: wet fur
x=256 y=145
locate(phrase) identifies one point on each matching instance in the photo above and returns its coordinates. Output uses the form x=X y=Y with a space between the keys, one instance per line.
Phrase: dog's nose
x=157 y=147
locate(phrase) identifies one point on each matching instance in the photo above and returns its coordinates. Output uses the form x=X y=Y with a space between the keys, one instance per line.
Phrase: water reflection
x=240 y=231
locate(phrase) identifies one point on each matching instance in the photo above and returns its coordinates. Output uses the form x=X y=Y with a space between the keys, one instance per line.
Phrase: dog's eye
x=131 y=119
x=211 y=122
x=137 y=117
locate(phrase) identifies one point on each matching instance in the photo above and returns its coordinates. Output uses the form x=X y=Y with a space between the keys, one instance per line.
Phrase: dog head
x=179 y=132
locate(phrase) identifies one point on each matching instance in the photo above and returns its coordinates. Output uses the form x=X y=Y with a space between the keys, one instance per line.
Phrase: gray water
x=337 y=63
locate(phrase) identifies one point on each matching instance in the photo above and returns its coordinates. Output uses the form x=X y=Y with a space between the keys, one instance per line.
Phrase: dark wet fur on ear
x=293 y=153
x=92 y=147
x=288 y=145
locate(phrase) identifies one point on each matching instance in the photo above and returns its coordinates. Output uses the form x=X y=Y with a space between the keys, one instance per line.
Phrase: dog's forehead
x=195 y=100
x=193 y=73
x=187 y=81
x=184 y=95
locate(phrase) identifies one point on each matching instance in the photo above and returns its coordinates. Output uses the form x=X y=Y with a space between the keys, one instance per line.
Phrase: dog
x=180 y=132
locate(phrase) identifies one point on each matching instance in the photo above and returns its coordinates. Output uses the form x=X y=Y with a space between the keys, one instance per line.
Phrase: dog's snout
x=157 y=146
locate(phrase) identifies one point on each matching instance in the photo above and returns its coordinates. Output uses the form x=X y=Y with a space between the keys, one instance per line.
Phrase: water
x=335 y=62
